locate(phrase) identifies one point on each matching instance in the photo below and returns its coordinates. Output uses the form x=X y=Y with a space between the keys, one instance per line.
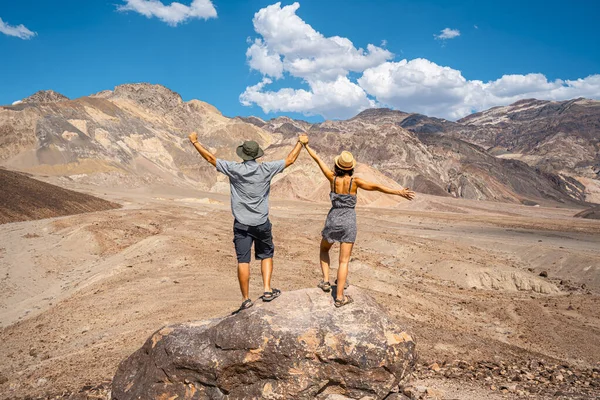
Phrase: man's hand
x=406 y=193
x=207 y=155
x=291 y=158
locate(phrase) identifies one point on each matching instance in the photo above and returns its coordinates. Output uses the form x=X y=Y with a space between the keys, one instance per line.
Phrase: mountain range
x=531 y=152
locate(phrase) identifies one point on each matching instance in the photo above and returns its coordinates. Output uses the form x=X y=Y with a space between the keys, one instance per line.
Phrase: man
x=250 y=184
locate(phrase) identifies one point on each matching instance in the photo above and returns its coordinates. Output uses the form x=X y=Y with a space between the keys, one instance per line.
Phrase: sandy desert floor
x=80 y=293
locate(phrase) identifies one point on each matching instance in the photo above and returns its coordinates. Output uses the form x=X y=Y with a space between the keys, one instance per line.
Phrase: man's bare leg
x=345 y=251
x=244 y=278
x=266 y=268
x=324 y=258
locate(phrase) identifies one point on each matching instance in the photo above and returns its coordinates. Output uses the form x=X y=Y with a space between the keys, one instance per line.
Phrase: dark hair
x=341 y=172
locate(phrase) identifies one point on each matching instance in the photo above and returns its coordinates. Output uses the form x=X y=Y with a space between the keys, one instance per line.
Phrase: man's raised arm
x=207 y=155
x=291 y=158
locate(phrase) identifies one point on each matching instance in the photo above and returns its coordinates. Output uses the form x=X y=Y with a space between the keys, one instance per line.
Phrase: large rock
x=296 y=347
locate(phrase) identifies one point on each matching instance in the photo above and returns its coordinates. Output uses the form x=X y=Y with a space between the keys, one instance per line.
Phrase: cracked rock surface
x=297 y=347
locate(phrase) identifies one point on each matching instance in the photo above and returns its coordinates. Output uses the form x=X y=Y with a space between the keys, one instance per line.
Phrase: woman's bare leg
x=324 y=258
x=345 y=252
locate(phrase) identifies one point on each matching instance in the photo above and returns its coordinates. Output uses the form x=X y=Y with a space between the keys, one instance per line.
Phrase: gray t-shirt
x=250 y=184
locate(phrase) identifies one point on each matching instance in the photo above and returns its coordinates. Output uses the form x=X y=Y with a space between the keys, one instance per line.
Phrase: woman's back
x=341 y=192
x=344 y=185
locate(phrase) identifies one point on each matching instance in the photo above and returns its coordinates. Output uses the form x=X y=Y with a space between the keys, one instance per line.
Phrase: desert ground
x=501 y=298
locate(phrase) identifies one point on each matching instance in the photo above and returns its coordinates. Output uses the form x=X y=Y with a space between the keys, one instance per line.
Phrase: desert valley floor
x=82 y=292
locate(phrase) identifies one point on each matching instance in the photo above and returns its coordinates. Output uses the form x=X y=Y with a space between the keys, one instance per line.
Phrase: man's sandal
x=324 y=286
x=342 y=302
x=272 y=295
x=246 y=304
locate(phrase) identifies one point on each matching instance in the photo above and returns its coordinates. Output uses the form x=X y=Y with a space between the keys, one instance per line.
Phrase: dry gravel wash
x=80 y=293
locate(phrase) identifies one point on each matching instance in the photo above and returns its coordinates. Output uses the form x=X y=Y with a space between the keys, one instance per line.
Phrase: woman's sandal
x=272 y=295
x=324 y=286
x=340 y=303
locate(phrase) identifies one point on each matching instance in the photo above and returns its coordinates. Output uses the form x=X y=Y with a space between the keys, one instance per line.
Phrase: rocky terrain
x=502 y=297
x=136 y=135
x=556 y=136
x=491 y=291
x=553 y=135
x=560 y=137
x=23 y=198
x=427 y=154
x=535 y=377
x=45 y=96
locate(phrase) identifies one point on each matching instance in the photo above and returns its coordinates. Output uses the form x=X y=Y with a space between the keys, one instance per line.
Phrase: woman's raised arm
x=324 y=168
x=406 y=192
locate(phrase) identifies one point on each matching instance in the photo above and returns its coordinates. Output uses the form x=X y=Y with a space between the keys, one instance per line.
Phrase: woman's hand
x=324 y=168
x=406 y=193
x=193 y=137
x=303 y=139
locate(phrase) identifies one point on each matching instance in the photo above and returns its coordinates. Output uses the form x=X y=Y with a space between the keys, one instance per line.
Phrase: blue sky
x=307 y=59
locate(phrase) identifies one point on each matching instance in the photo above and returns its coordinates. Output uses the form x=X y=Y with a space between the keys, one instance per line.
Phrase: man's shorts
x=245 y=235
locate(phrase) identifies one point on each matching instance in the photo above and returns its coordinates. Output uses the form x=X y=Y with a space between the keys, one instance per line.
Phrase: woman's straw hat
x=345 y=161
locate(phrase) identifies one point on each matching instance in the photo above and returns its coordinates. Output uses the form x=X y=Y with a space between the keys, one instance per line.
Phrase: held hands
x=303 y=139
x=193 y=137
x=406 y=193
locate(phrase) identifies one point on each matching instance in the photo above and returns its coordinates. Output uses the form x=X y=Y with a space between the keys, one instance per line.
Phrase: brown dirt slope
x=23 y=199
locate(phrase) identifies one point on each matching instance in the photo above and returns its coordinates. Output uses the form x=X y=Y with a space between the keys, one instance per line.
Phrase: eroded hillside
x=136 y=135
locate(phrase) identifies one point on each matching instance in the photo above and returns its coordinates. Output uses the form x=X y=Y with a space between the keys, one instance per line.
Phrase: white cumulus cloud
x=341 y=79
x=263 y=59
x=293 y=46
x=174 y=13
x=288 y=46
x=422 y=86
x=447 y=33
x=331 y=99
x=419 y=85
x=19 y=31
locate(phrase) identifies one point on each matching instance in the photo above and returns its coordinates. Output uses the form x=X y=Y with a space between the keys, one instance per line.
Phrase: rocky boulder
x=296 y=347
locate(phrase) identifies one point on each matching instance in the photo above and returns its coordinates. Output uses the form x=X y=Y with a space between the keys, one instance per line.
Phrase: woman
x=340 y=225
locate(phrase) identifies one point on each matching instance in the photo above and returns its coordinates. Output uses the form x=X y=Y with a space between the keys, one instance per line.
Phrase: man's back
x=250 y=184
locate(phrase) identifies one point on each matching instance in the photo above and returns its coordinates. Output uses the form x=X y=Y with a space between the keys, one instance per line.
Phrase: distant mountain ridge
x=45 y=96
x=136 y=134
x=555 y=136
x=406 y=148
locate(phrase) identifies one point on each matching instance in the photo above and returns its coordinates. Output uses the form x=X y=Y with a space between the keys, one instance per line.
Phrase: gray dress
x=340 y=225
